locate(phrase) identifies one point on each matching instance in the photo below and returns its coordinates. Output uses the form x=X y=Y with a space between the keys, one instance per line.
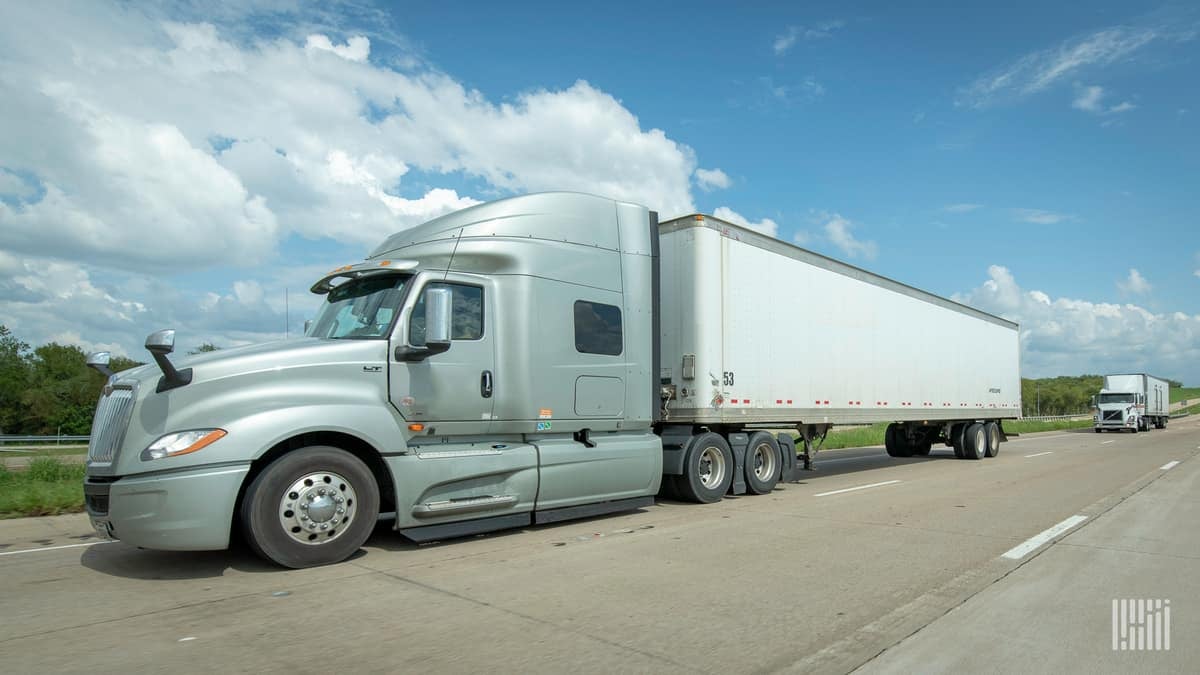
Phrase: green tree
x=204 y=348
x=14 y=378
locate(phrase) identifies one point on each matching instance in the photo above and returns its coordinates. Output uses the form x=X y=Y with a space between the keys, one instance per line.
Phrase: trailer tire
x=992 y=431
x=957 y=432
x=1098 y=430
x=923 y=447
x=895 y=443
x=974 y=442
x=275 y=511
x=707 y=469
x=764 y=462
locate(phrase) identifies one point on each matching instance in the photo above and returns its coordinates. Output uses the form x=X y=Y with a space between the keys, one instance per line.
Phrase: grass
x=64 y=451
x=1185 y=394
x=46 y=487
x=1191 y=410
x=1030 y=427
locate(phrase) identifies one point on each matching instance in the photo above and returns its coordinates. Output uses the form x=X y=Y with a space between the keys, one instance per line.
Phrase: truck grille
x=108 y=427
x=1112 y=415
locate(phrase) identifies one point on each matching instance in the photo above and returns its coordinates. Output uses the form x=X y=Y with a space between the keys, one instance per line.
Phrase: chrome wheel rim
x=712 y=467
x=764 y=462
x=317 y=508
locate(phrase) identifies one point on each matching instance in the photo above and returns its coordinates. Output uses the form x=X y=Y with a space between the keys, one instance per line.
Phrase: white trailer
x=1134 y=401
x=758 y=332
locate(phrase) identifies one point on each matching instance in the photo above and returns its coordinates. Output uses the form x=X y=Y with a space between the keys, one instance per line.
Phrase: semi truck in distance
x=530 y=360
x=1135 y=402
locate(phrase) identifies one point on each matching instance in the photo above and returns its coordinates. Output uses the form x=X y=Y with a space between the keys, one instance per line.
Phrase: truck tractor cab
x=1117 y=410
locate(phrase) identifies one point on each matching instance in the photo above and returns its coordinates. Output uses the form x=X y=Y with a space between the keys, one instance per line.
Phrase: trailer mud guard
x=738 y=443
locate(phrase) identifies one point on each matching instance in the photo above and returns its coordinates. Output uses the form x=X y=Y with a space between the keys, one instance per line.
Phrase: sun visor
x=362 y=269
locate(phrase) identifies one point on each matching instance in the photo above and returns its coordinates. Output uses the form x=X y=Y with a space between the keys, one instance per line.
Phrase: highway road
x=888 y=565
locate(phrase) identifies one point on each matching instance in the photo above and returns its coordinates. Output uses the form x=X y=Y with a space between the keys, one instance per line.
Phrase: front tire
x=313 y=506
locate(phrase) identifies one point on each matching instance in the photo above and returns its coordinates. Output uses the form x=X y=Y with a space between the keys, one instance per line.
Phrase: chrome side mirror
x=438 y=318
x=160 y=343
x=99 y=361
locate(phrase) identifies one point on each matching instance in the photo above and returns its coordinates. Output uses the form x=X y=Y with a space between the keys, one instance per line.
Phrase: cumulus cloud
x=765 y=226
x=712 y=179
x=138 y=145
x=838 y=230
x=1069 y=336
x=1135 y=283
x=1039 y=70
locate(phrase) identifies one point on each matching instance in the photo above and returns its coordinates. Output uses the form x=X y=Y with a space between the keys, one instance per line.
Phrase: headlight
x=181 y=443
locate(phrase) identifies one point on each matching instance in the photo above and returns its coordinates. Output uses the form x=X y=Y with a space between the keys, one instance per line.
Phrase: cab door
x=453 y=391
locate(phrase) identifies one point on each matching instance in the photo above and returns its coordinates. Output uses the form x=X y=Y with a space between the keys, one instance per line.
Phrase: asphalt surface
x=870 y=562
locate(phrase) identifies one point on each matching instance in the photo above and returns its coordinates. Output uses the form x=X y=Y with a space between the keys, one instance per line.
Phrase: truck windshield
x=360 y=308
x=1116 y=398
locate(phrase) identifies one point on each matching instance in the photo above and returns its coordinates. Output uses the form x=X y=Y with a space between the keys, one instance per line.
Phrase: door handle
x=485 y=384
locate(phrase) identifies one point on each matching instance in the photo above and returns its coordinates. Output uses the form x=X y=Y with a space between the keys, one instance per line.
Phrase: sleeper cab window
x=466 y=311
x=597 y=328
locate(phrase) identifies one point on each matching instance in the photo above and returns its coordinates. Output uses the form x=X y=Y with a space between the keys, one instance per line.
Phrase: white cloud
x=1064 y=336
x=1135 y=283
x=357 y=48
x=765 y=226
x=1041 y=217
x=961 y=208
x=1088 y=99
x=837 y=230
x=137 y=146
x=712 y=179
x=1039 y=70
x=785 y=41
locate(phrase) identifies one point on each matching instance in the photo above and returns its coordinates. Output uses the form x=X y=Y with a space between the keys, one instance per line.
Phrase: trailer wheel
x=957 y=431
x=764 y=462
x=312 y=506
x=1098 y=430
x=707 y=469
x=923 y=447
x=895 y=442
x=992 y=432
x=974 y=442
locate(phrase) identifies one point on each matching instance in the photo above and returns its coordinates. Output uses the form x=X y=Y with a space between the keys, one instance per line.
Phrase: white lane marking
x=1169 y=465
x=55 y=548
x=1031 y=544
x=1039 y=454
x=1106 y=442
x=860 y=487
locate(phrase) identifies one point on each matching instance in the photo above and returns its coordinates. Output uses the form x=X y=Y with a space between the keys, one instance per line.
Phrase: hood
x=277 y=355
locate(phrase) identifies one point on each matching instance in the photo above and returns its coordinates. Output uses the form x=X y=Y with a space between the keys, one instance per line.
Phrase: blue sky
x=182 y=165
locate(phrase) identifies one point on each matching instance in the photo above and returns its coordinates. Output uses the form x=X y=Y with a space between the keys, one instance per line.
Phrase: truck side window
x=466 y=314
x=597 y=328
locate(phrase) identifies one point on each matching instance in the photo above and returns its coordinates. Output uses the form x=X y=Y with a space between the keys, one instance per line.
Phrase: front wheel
x=312 y=506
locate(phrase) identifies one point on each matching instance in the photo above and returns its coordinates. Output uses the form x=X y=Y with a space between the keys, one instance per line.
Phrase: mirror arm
x=415 y=354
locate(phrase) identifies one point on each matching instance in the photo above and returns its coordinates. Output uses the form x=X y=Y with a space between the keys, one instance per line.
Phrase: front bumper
x=179 y=511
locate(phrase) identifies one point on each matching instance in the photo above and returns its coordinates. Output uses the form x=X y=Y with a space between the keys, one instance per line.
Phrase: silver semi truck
x=529 y=360
x=1135 y=402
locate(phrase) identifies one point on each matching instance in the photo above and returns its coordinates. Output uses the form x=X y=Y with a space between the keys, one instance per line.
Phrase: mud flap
x=738 y=443
x=791 y=464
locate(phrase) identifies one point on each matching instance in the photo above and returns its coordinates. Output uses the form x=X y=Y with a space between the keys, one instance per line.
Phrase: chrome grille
x=108 y=427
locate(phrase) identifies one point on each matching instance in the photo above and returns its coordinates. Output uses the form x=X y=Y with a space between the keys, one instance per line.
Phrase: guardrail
x=59 y=439
x=1055 y=418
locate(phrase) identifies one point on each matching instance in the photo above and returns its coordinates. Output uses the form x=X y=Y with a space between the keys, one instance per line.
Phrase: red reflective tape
x=826 y=403
x=789 y=401
x=778 y=401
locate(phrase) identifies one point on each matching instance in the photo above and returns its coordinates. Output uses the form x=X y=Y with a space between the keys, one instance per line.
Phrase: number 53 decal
x=729 y=378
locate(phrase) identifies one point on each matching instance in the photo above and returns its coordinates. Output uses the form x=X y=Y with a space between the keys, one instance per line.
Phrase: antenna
x=286 y=313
